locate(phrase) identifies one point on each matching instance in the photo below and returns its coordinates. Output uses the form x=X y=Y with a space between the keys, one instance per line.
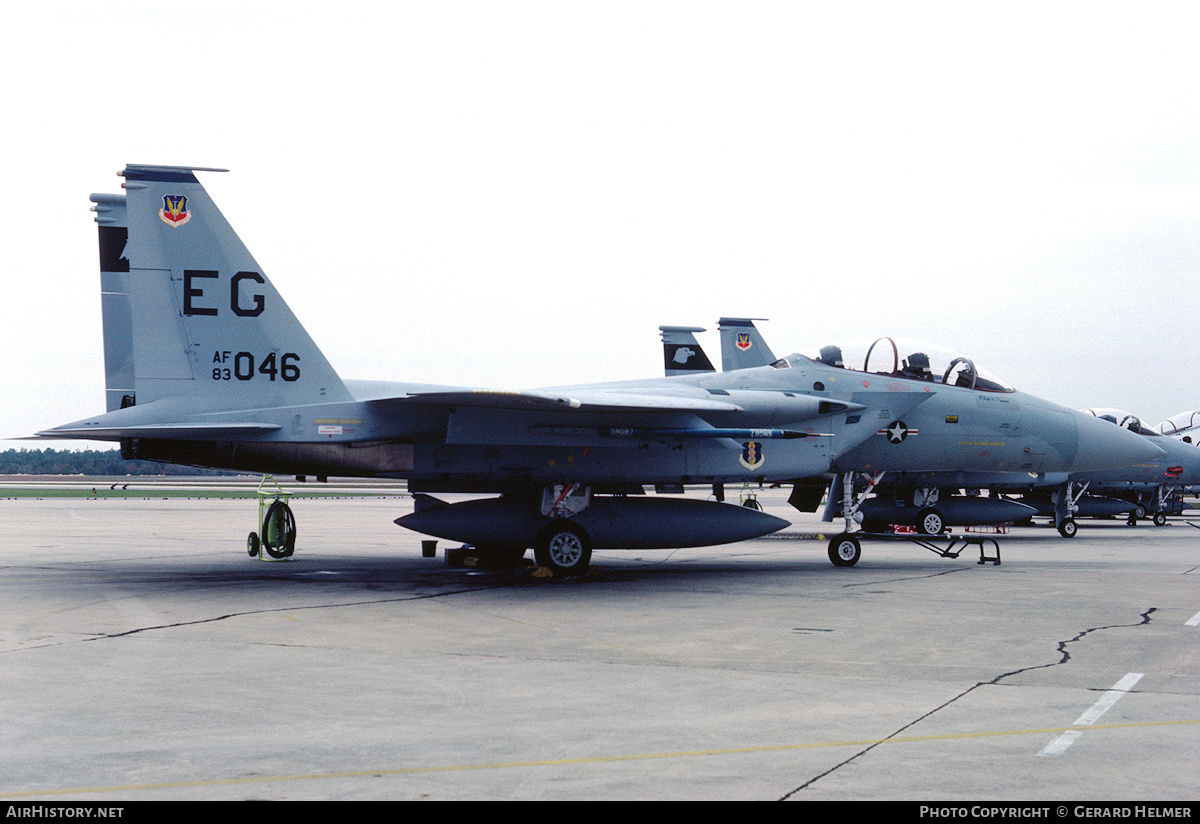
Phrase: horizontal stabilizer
x=423 y=502
x=159 y=430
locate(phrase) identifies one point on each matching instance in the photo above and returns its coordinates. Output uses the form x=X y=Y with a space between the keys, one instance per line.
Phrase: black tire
x=752 y=503
x=1160 y=519
x=252 y=544
x=930 y=521
x=564 y=548
x=279 y=531
x=845 y=550
x=1067 y=528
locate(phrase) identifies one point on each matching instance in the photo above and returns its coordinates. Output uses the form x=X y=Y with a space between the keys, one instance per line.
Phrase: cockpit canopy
x=1178 y=424
x=905 y=358
x=1123 y=419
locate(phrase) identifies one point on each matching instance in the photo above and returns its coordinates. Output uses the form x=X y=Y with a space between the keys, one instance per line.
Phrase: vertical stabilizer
x=742 y=347
x=682 y=355
x=117 y=314
x=187 y=310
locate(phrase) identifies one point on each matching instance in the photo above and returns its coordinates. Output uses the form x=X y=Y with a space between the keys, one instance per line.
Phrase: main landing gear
x=563 y=548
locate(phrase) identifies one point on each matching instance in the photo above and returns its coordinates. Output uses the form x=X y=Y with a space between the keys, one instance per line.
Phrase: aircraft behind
x=1182 y=425
x=929 y=501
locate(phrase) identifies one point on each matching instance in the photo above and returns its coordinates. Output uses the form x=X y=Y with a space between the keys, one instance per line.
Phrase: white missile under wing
x=205 y=364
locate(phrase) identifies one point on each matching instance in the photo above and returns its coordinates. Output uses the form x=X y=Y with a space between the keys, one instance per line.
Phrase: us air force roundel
x=752 y=455
x=897 y=431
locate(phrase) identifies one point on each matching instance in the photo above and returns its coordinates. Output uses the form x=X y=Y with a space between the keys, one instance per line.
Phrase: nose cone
x=1104 y=445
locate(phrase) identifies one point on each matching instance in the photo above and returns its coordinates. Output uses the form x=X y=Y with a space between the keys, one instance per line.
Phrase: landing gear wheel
x=930 y=522
x=1067 y=528
x=845 y=550
x=752 y=503
x=1160 y=519
x=252 y=544
x=563 y=548
x=279 y=531
x=1140 y=511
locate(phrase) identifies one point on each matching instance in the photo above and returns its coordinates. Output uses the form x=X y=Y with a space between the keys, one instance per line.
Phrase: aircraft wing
x=665 y=411
x=587 y=400
x=784 y=405
x=166 y=420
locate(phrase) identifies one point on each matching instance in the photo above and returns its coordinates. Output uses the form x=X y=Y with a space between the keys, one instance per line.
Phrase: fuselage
x=794 y=420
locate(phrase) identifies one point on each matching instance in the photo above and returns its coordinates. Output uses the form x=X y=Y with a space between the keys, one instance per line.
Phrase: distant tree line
x=88 y=462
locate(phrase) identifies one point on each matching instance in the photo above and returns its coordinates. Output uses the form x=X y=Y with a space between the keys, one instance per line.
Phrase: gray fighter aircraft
x=1147 y=488
x=206 y=365
x=930 y=500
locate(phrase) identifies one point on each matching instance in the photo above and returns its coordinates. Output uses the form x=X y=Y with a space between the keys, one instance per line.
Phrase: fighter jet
x=1149 y=487
x=929 y=501
x=206 y=365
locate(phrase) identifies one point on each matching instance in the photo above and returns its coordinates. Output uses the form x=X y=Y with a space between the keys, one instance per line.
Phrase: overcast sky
x=517 y=194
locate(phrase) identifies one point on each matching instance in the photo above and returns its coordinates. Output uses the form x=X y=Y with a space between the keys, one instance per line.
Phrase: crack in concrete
x=1065 y=656
x=138 y=630
x=925 y=577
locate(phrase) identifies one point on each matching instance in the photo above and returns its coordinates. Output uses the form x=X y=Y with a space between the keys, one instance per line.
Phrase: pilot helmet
x=918 y=362
x=831 y=356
